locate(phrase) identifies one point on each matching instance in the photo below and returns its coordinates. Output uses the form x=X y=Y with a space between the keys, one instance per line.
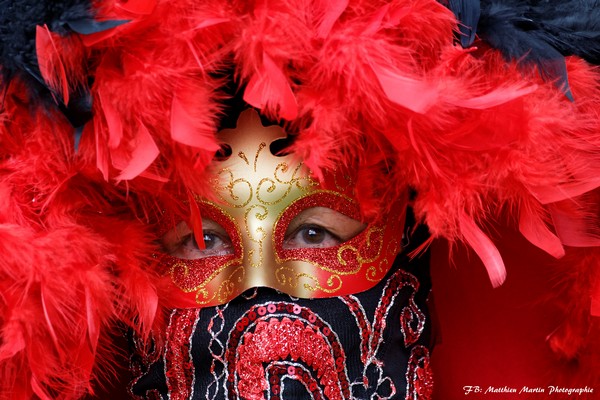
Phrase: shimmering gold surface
x=255 y=189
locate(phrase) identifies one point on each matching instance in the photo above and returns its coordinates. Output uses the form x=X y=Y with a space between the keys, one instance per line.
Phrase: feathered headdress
x=110 y=109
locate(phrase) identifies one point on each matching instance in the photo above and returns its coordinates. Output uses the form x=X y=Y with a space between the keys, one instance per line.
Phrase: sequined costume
x=350 y=347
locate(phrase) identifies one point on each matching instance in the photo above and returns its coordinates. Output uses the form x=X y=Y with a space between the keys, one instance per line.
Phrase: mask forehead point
x=252 y=174
x=250 y=138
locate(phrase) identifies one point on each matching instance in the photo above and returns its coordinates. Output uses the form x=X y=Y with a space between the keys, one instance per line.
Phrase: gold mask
x=258 y=196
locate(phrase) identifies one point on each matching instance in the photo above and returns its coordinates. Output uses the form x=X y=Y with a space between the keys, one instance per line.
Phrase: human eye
x=181 y=242
x=320 y=227
x=310 y=235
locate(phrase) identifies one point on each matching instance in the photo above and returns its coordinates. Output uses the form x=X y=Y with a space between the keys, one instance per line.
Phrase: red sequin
x=179 y=368
x=273 y=341
x=409 y=314
x=364 y=325
x=419 y=376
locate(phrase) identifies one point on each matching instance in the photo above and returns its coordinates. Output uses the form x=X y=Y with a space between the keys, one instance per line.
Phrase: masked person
x=272 y=261
x=344 y=320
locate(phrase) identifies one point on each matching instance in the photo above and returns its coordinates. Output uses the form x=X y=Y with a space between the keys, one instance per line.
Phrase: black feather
x=90 y=26
x=18 y=56
x=573 y=27
x=467 y=12
x=516 y=31
x=539 y=32
x=18 y=21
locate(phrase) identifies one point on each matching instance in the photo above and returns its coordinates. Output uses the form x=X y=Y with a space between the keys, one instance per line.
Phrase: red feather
x=100 y=149
x=144 y=152
x=196 y=221
x=485 y=249
x=186 y=130
x=331 y=11
x=553 y=194
x=496 y=97
x=140 y=7
x=574 y=225
x=13 y=341
x=92 y=321
x=50 y=62
x=113 y=120
x=412 y=93
x=270 y=91
x=48 y=320
x=535 y=230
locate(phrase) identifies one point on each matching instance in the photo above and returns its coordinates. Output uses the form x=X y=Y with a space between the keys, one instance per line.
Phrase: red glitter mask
x=262 y=237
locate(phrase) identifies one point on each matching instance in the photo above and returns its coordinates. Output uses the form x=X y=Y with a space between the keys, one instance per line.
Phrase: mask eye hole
x=180 y=242
x=223 y=153
x=320 y=227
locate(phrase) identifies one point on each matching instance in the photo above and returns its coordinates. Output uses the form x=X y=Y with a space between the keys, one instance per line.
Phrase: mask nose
x=259 y=253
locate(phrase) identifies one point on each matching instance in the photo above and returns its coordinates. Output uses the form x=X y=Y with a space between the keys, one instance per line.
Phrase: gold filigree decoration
x=225 y=290
x=285 y=277
x=252 y=233
x=242 y=155
x=360 y=258
x=289 y=277
x=334 y=283
x=230 y=188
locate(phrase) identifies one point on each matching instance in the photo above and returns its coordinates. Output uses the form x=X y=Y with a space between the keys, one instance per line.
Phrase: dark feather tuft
x=18 y=21
x=573 y=27
x=540 y=32
x=467 y=12
x=18 y=57
x=517 y=32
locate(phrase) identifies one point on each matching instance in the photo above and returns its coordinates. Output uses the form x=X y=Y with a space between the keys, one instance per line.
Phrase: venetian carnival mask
x=272 y=224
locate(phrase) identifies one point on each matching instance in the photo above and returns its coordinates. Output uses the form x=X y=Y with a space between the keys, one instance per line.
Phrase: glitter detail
x=253 y=217
x=258 y=196
x=350 y=267
x=260 y=148
x=179 y=368
x=410 y=314
x=285 y=340
x=278 y=372
x=337 y=259
x=364 y=326
x=252 y=349
x=243 y=157
x=217 y=350
x=217 y=272
x=190 y=275
x=372 y=333
x=419 y=376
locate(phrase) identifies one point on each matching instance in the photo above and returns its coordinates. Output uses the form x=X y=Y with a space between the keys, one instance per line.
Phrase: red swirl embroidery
x=419 y=376
x=260 y=339
x=409 y=316
x=179 y=368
